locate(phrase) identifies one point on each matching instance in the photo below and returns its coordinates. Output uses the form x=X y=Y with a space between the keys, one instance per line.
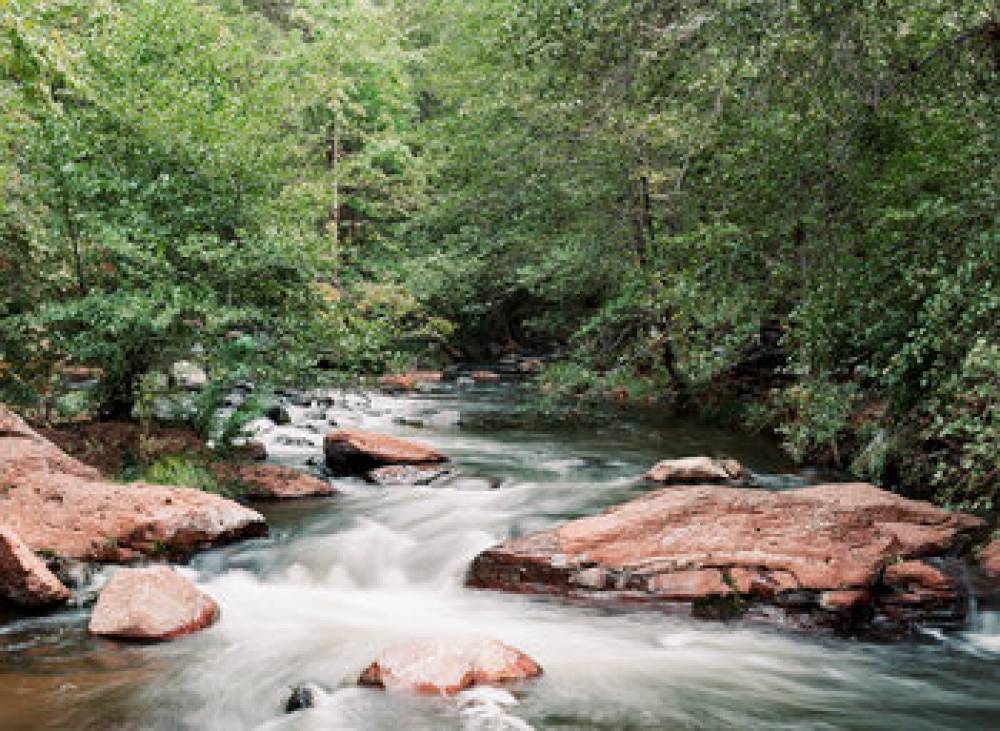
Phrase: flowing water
x=341 y=579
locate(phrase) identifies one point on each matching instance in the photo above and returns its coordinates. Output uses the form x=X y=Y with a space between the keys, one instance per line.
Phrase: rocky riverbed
x=392 y=583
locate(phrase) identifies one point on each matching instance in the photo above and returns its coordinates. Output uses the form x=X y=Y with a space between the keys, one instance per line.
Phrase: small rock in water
x=420 y=474
x=273 y=482
x=155 y=603
x=356 y=452
x=697 y=469
x=279 y=415
x=302 y=697
x=448 y=666
x=291 y=440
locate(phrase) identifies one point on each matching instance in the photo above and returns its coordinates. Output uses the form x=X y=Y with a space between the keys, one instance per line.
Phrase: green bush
x=181 y=470
x=818 y=413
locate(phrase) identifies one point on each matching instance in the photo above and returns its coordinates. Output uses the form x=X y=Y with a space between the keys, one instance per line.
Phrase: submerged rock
x=817 y=556
x=272 y=482
x=25 y=580
x=60 y=506
x=485 y=377
x=279 y=415
x=697 y=470
x=448 y=666
x=418 y=474
x=153 y=603
x=302 y=697
x=354 y=452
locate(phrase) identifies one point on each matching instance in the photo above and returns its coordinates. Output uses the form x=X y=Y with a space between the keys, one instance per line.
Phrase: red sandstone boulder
x=448 y=666
x=816 y=553
x=484 y=377
x=151 y=604
x=105 y=521
x=57 y=504
x=271 y=482
x=401 y=475
x=408 y=381
x=23 y=450
x=697 y=470
x=24 y=578
x=989 y=560
x=355 y=452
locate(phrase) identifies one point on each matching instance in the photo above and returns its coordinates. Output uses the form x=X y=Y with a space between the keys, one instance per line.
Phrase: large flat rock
x=58 y=505
x=106 y=521
x=817 y=554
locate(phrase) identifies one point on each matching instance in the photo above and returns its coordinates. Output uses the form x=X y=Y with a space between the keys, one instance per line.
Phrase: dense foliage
x=666 y=185
x=781 y=212
x=177 y=175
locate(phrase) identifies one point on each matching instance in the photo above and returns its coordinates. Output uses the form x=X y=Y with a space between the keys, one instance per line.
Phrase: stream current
x=341 y=579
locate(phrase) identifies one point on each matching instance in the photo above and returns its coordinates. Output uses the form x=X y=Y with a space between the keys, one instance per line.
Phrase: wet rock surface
x=989 y=560
x=273 y=482
x=703 y=470
x=302 y=697
x=152 y=604
x=355 y=452
x=847 y=556
x=448 y=666
x=25 y=580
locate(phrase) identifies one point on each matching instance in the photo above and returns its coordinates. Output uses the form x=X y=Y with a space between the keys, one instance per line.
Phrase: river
x=341 y=579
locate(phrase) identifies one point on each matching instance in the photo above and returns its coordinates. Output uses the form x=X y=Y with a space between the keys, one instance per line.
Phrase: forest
x=779 y=215
x=629 y=333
